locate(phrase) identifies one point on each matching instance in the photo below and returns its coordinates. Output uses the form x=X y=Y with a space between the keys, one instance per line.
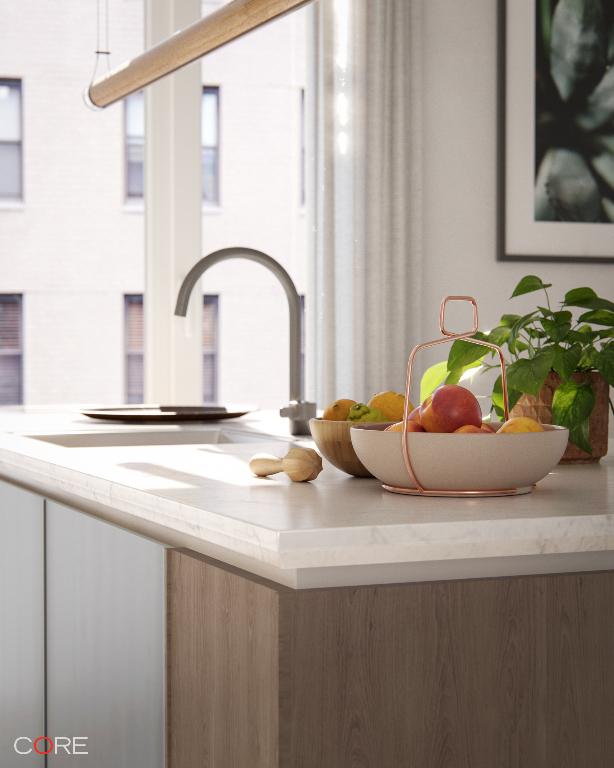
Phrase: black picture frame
x=503 y=253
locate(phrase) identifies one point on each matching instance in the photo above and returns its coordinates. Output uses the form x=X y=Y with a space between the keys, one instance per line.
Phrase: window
x=134 y=348
x=11 y=183
x=134 y=124
x=11 y=385
x=134 y=345
x=210 y=125
x=210 y=348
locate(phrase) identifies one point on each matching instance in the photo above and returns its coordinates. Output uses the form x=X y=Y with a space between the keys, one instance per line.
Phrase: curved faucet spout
x=294 y=306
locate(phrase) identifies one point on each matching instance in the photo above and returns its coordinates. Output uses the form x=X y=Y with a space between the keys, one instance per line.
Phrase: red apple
x=451 y=406
x=415 y=415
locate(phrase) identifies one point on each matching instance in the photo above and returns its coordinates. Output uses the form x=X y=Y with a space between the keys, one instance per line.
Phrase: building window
x=134 y=127
x=210 y=127
x=134 y=345
x=210 y=347
x=11 y=150
x=11 y=355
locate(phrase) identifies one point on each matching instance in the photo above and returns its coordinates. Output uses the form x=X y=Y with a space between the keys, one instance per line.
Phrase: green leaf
x=528 y=284
x=598 y=317
x=558 y=325
x=562 y=316
x=579 y=435
x=577 y=296
x=555 y=329
x=573 y=402
x=598 y=303
x=521 y=323
x=508 y=320
x=497 y=397
x=578 y=46
x=588 y=359
x=432 y=378
x=528 y=375
x=438 y=374
x=464 y=352
x=566 y=360
x=499 y=335
x=581 y=337
x=605 y=363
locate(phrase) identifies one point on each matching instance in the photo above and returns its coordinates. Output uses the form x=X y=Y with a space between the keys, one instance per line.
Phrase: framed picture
x=556 y=130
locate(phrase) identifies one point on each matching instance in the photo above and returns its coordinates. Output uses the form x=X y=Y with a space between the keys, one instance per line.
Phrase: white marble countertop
x=334 y=531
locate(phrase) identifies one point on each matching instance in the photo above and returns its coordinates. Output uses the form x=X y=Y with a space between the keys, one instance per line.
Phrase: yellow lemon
x=339 y=410
x=412 y=426
x=520 y=424
x=391 y=404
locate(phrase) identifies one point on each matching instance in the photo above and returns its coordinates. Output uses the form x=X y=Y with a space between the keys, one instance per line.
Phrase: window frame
x=12 y=81
x=207 y=352
x=137 y=299
x=212 y=299
x=128 y=198
x=216 y=89
x=18 y=351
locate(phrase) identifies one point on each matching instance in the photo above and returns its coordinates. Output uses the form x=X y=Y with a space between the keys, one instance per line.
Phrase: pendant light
x=224 y=25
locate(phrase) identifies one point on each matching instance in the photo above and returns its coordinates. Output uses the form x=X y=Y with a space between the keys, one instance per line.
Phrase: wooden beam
x=233 y=20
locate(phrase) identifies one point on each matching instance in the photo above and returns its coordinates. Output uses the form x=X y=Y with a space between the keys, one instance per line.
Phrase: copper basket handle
x=446 y=337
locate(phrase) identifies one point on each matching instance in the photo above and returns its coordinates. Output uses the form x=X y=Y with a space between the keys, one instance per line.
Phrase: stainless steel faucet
x=298 y=411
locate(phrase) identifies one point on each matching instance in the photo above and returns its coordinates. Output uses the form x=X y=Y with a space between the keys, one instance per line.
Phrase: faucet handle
x=299 y=412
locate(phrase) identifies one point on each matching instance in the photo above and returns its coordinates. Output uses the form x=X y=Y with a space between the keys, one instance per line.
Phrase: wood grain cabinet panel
x=492 y=673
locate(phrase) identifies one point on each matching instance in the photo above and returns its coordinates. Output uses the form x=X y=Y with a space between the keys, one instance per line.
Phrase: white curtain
x=367 y=193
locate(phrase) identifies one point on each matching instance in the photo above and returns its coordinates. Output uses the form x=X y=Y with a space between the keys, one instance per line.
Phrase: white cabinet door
x=105 y=641
x=22 y=655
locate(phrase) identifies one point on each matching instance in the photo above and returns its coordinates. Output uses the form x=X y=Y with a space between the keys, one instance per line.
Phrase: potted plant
x=559 y=363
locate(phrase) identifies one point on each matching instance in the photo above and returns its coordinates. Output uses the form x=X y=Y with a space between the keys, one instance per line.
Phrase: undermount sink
x=128 y=438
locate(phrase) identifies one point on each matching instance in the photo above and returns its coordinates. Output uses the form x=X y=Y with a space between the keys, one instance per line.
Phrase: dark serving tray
x=139 y=414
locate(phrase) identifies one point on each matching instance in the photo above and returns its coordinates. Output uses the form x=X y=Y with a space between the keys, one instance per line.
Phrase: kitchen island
x=331 y=623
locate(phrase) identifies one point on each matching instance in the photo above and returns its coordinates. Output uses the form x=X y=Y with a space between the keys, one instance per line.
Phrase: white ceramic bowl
x=461 y=462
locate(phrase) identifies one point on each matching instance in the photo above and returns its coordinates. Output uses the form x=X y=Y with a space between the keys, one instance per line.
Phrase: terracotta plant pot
x=540 y=408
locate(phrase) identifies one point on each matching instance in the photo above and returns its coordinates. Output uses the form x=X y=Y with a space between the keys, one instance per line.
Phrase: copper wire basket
x=448 y=336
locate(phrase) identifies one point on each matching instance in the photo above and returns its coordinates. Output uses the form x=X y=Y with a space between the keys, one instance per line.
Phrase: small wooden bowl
x=335 y=444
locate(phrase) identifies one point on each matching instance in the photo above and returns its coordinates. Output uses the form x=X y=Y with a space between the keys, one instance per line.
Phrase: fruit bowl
x=493 y=465
x=334 y=443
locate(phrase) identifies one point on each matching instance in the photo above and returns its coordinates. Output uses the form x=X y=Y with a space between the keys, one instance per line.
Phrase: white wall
x=460 y=194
